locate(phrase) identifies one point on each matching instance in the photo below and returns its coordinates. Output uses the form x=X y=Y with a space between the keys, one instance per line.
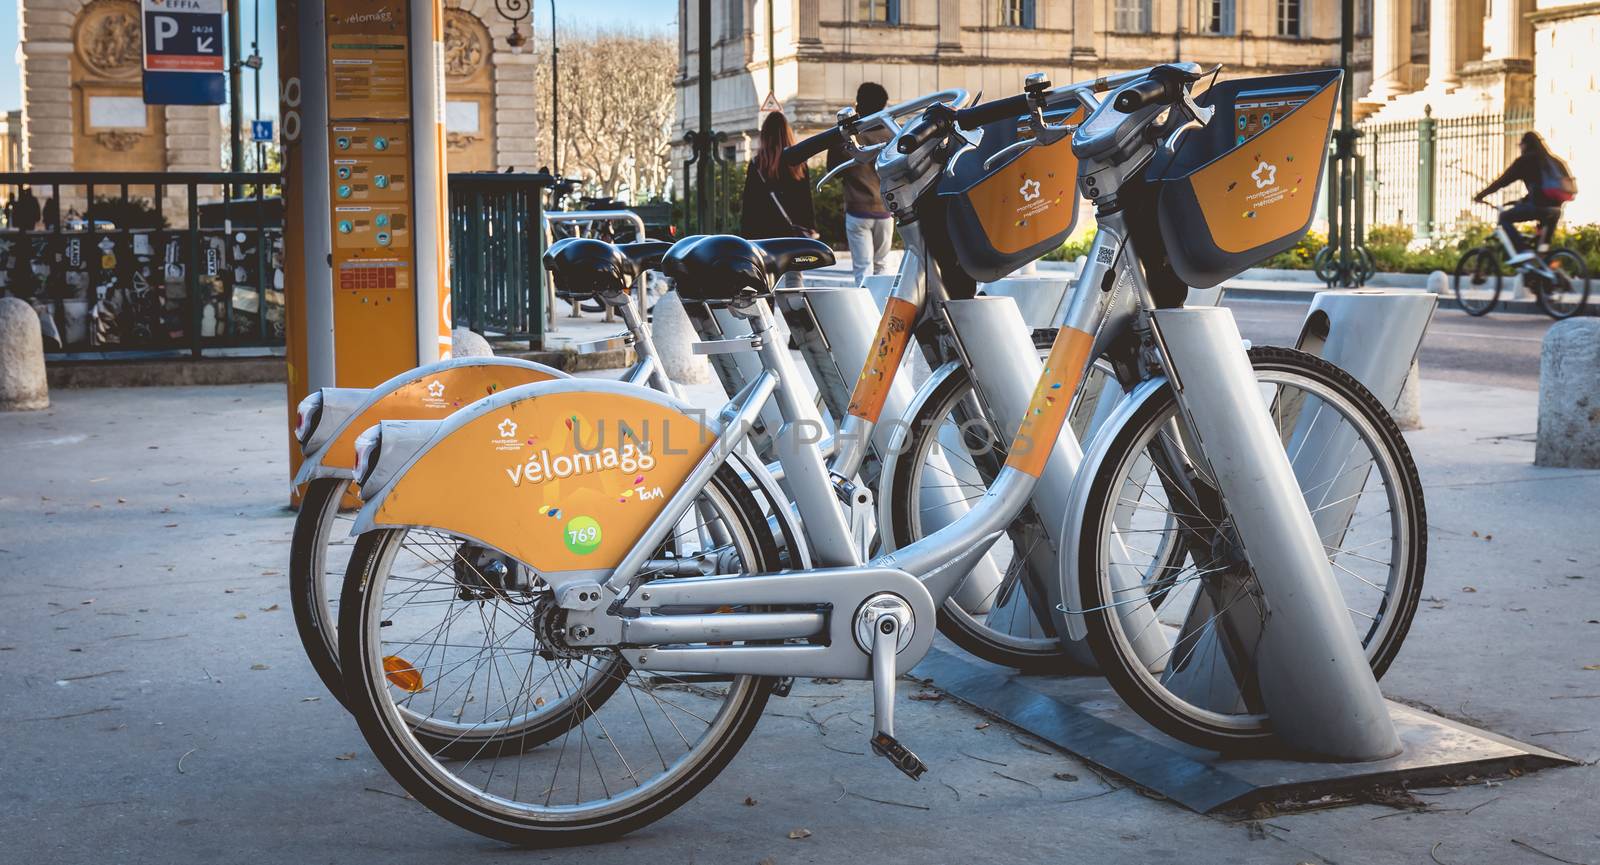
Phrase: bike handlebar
x=989 y=112
x=799 y=152
x=1148 y=92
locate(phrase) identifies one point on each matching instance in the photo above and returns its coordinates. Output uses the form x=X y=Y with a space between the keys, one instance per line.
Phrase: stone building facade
x=1450 y=59
x=83 y=109
x=817 y=51
x=1566 y=92
x=489 y=87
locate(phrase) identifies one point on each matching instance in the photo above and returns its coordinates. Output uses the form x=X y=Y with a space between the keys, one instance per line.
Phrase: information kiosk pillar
x=367 y=288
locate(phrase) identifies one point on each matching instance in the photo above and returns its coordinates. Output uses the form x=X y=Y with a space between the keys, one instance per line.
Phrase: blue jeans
x=1527 y=211
x=870 y=239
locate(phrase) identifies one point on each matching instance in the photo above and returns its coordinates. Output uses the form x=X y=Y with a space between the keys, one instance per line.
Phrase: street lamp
x=516 y=11
x=555 y=98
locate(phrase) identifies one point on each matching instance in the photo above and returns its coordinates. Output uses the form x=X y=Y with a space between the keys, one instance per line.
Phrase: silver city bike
x=644 y=621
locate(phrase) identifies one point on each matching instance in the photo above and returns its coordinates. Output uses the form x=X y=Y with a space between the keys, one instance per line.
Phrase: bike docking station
x=1334 y=732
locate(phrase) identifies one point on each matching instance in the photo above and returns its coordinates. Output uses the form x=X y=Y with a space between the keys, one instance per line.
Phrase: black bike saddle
x=584 y=265
x=719 y=267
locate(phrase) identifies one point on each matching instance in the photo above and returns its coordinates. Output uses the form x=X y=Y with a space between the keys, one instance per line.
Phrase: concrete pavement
x=158 y=709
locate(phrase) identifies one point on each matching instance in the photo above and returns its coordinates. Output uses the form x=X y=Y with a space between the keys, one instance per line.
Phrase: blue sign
x=183 y=52
x=261 y=130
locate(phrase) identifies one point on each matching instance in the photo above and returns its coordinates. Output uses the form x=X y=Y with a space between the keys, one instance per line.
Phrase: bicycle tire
x=314 y=618
x=440 y=788
x=1478 y=263
x=1131 y=677
x=1569 y=264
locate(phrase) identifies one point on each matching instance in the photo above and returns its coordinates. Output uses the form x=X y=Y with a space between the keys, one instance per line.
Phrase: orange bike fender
x=562 y=476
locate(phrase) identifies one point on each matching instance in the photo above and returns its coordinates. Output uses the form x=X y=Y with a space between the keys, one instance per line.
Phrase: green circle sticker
x=582 y=535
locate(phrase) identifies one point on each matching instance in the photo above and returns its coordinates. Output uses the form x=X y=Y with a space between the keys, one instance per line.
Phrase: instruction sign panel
x=370 y=156
x=183 y=52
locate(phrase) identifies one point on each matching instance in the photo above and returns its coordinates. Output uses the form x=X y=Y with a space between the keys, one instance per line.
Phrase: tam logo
x=1029 y=190
x=1265 y=175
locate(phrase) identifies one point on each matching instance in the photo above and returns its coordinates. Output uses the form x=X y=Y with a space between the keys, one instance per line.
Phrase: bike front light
x=369 y=445
x=307 y=415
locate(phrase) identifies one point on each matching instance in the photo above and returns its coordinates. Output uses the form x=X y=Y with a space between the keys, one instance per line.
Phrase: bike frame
x=1534 y=263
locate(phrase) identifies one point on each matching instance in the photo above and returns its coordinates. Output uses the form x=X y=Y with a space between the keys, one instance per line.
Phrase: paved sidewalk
x=157 y=707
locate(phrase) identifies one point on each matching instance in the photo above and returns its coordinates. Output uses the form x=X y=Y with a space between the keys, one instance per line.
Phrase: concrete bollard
x=23 y=386
x=466 y=343
x=1408 y=408
x=674 y=337
x=1569 y=396
x=1439 y=283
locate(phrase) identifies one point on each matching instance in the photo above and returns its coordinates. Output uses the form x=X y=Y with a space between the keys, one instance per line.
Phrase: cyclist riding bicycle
x=1549 y=186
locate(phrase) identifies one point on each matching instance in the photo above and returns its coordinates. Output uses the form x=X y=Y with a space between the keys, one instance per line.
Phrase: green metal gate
x=496 y=242
x=1423 y=173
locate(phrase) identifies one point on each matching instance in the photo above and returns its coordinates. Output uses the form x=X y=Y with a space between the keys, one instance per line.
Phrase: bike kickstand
x=885 y=645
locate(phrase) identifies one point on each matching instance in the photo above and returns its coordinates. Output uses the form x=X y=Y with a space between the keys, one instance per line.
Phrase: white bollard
x=1569 y=396
x=1439 y=283
x=466 y=343
x=23 y=386
x=674 y=337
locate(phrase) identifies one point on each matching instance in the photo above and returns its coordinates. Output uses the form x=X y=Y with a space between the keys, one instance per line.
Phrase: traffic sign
x=261 y=130
x=183 y=52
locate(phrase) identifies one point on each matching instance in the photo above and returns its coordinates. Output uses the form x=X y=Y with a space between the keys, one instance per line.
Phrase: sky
x=635 y=14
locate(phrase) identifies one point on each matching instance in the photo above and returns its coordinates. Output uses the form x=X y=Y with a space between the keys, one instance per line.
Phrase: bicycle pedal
x=885 y=745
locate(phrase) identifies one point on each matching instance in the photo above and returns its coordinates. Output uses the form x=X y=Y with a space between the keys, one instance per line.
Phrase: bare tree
x=616 y=110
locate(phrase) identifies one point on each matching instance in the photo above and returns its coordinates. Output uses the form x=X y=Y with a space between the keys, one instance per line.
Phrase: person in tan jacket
x=868 y=227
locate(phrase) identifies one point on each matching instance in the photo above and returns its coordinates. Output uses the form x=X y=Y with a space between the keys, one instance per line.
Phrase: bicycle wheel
x=949 y=458
x=607 y=768
x=1477 y=280
x=1565 y=295
x=1340 y=440
x=1322 y=264
x=318 y=556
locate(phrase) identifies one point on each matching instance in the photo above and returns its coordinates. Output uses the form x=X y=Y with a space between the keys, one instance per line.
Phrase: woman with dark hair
x=777 y=197
x=1538 y=169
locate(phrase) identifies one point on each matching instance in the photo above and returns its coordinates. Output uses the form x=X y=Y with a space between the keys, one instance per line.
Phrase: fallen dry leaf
x=1468 y=589
x=797 y=834
x=982 y=726
x=1592 y=667
x=240 y=616
x=271 y=609
x=309 y=699
x=260 y=667
x=750 y=801
x=1064 y=776
x=349 y=756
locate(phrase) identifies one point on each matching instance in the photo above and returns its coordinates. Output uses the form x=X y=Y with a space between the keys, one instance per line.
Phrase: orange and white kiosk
x=366 y=282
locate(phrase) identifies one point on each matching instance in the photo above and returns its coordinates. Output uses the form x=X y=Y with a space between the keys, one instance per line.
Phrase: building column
x=1083 y=31
x=1391 y=50
x=1444 y=49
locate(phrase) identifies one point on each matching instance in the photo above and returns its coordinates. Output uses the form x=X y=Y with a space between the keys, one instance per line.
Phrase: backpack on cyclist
x=1556 y=182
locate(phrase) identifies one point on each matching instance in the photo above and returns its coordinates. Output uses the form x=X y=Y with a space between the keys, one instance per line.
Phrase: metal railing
x=726 y=177
x=497 y=238
x=153 y=263
x=1423 y=173
x=146 y=261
